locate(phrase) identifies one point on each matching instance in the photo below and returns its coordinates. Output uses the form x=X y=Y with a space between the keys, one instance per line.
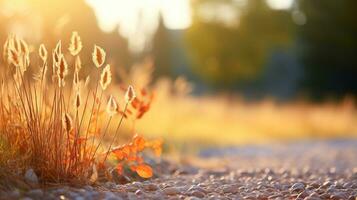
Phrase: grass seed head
x=130 y=94
x=24 y=47
x=42 y=52
x=6 y=48
x=62 y=70
x=106 y=77
x=16 y=43
x=78 y=100
x=67 y=122
x=58 y=48
x=98 y=56
x=75 y=45
x=13 y=57
x=112 y=106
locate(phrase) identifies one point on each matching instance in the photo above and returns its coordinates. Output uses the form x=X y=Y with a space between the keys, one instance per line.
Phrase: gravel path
x=310 y=170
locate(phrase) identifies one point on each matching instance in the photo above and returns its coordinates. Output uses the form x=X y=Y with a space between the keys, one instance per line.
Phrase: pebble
x=302 y=195
x=230 y=189
x=312 y=198
x=297 y=187
x=150 y=187
x=31 y=177
x=192 y=198
x=138 y=192
x=171 y=191
x=198 y=194
x=36 y=193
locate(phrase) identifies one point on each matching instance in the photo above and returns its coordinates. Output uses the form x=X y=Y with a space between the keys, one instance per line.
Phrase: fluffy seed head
x=112 y=106
x=24 y=47
x=6 y=48
x=13 y=57
x=16 y=43
x=42 y=52
x=58 y=48
x=62 y=70
x=55 y=57
x=75 y=45
x=106 y=77
x=98 y=56
x=130 y=94
x=77 y=102
x=67 y=122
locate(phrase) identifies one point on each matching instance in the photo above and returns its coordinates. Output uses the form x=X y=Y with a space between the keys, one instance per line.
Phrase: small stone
x=250 y=197
x=131 y=189
x=302 y=195
x=297 y=187
x=171 y=191
x=111 y=196
x=326 y=184
x=338 y=196
x=347 y=185
x=275 y=196
x=36 y=193
x=198 y=194
x=31 y=177
x=88 y=188
x=230 y=189
x=352 y=197
x=26 y=198
x=192 y=198
x=196 y=188
x=315 y=184
x=139 y=192
x=325 y=196
x=312 y=198
x=14 y=194
x=109 y=185
x=150 y=187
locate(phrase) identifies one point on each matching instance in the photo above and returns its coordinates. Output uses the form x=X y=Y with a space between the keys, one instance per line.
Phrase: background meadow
x=223 y=72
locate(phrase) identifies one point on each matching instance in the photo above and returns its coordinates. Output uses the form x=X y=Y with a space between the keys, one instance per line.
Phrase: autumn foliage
x=58 y=121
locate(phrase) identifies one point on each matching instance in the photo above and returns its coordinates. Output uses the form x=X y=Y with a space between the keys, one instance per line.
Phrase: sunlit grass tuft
x=56 y=126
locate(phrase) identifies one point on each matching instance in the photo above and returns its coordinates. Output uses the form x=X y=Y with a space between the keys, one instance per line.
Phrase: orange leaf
x=139 y=159
x=139 y=142
x=144 y=171
x=119 y=169
x=132 y=158
x=135 y=103
x=122 y=152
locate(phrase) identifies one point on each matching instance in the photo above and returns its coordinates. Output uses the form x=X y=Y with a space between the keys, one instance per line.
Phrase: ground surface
x=306 y=170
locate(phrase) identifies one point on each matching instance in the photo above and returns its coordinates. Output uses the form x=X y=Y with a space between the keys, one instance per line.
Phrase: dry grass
x=56 y=126
x=186 y=120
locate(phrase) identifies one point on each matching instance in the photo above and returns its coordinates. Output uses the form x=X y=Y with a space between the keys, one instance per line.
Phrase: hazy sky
x=138 y=19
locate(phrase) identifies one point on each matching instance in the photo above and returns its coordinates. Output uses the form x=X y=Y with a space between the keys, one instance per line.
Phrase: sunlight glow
x=280 y=4
x=138 y=20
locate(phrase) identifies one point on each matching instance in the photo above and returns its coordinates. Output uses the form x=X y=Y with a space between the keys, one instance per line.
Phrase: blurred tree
x=329 y=46
x=161 y=50
x=55 y=20
x=230 y=41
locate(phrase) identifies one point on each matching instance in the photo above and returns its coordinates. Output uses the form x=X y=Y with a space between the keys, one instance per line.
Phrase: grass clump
x=59 y=127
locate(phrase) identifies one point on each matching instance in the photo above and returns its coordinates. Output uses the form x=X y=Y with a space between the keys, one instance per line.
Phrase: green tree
x=227 y=52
